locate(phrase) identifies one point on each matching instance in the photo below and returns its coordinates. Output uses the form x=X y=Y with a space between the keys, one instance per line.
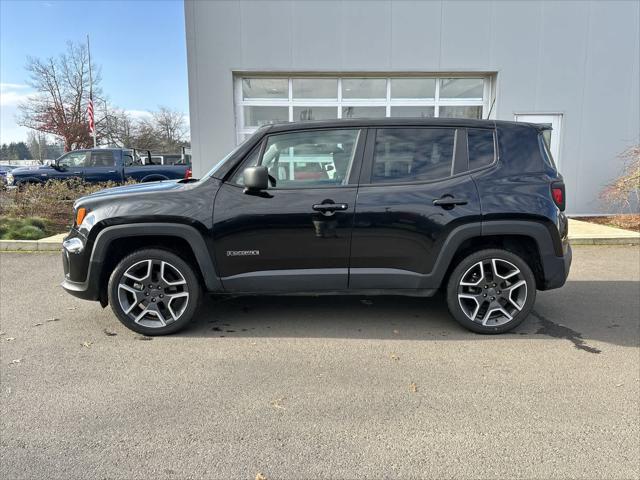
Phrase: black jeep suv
x=367 y=207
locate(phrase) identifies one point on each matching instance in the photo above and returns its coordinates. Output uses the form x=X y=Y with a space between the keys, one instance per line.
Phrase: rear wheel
x=491 y=291
x=154 y=292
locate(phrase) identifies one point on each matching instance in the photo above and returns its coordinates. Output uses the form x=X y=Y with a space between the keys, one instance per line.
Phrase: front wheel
x=154 y=292
x=491 y=291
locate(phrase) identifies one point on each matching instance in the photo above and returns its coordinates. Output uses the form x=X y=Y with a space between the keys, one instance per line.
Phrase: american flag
x=90 y=114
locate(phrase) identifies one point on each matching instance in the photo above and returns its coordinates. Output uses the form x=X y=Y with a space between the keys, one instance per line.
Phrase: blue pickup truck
x=100 y=165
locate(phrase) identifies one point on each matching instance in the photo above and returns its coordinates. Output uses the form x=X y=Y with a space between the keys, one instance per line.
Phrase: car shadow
x=581 y=311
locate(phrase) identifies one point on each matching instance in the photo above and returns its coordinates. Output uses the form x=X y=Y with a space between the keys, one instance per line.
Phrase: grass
x=30 y=228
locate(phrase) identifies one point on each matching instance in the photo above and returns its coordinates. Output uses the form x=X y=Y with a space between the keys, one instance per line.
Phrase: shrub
x=24 y=228
x=624 y=193
x=48 y=206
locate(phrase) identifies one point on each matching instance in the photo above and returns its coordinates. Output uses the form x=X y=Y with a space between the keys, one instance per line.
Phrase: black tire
x=187 y=305
x=517 y=308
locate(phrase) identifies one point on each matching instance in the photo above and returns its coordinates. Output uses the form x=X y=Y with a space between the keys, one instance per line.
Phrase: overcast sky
x=140 y=46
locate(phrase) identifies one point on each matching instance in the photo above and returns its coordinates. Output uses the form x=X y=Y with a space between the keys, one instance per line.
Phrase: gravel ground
x=340 y=387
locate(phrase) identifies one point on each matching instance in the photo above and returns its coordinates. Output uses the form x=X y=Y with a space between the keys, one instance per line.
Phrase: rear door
x=414 y=192
x=101 y=166
x=296 y=235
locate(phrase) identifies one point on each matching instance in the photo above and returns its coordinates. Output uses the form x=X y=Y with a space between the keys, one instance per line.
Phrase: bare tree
x=59 y=107
x=171 y=128
x=38 y=145
x=119 y=128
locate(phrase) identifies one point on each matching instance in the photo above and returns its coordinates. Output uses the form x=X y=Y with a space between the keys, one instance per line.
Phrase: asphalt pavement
x=322 y=387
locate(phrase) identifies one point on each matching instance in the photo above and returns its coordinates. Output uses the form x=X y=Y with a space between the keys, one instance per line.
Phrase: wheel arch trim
x=185 y=232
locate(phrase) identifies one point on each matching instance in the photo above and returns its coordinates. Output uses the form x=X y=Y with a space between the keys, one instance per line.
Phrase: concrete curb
x=49 y=244
x=586 y=233
x=604 y=241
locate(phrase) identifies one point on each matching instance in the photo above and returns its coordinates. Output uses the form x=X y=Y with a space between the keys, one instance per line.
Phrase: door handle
x=77 y=173
x=111 y=171
x=447 y=201
x=330 y=207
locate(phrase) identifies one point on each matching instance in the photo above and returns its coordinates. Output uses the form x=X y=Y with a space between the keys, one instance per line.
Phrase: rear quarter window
x=481 y=147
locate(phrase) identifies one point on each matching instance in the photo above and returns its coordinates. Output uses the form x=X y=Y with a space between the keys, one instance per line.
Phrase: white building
x=575 y=65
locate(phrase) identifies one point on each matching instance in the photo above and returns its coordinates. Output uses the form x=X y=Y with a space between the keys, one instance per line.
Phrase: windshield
x=215 y=168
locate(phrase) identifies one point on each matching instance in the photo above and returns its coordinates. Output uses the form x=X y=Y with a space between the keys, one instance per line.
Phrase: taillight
x=187 y=174
x=558 y=195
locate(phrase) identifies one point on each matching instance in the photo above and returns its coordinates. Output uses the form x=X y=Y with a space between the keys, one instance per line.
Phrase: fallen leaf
x=276 y=403
x=109 y=333
x=254 y=343
x=52 y=319
x=394 y=357
x=86 y=344
x=17 y=360
x=396 y=332
x=260 y=476
x=71 y=308
x=37 y=324
x=413 y=387
x=10 y=339
x=619 y=384
x=144 y=337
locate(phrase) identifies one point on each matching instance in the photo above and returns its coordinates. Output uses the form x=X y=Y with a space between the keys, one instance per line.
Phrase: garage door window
x=262 y=100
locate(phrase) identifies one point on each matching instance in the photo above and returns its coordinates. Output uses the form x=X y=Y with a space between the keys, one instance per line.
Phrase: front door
x=296 y=235
x=71 y=165
x=413 y=193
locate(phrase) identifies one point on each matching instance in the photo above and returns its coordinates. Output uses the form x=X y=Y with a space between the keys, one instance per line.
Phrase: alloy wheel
x=492 y=292
x=153 y=293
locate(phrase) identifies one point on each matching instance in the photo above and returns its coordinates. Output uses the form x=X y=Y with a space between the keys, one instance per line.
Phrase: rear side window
x=102 y=159
x=412 y=154
x=481 y=148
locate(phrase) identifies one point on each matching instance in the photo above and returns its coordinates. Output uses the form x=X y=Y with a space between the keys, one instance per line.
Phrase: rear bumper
x=556 y=269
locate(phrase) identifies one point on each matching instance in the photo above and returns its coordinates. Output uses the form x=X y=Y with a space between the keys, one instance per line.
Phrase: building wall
x=581 y=59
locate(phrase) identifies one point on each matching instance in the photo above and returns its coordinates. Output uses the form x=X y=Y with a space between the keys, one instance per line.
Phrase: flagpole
x=91 y=91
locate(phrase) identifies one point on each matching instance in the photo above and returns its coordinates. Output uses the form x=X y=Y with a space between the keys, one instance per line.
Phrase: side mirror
x=58 y=167
x=255 y=179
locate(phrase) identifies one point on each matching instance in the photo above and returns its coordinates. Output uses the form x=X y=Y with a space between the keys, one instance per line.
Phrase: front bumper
x=81 y=277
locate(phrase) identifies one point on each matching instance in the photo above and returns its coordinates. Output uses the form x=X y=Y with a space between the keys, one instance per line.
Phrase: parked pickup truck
x=99 y=165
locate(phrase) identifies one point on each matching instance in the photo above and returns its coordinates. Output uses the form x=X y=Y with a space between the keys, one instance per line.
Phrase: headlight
x=9 y=179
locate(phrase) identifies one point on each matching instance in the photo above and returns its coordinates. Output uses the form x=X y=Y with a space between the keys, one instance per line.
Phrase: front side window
x=481 y=147
x=73 y=159
x=413 y=154
x=310 y=158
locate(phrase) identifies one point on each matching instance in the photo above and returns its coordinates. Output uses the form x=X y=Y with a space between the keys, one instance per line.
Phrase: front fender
x=186 y=232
